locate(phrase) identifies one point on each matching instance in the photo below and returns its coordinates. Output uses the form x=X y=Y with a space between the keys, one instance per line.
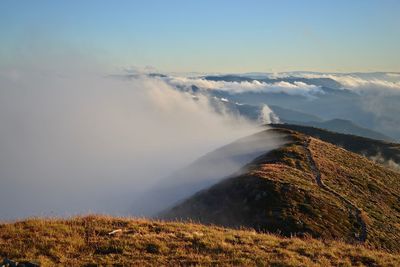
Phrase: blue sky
x=206 y=36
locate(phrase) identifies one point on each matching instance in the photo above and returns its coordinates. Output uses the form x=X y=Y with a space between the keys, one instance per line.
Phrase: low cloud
x=295 y=88
x=393 y=74
x=377 y=97
x=81 y=143
x=356 y=83
x=388 y=162
x=359 y=84
x=267 y=116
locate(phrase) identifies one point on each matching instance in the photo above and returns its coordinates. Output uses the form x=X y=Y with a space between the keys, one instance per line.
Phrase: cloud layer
x=295 y=88
x=80 y=143
x=360 y=84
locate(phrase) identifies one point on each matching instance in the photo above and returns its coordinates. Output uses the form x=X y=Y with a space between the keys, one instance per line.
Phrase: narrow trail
x=354 y=210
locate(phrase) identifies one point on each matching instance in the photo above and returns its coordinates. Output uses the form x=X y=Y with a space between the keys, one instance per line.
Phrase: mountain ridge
x=306 y=187
x=381 y=151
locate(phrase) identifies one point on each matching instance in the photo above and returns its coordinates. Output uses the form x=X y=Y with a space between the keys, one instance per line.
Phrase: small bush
x=156 y=247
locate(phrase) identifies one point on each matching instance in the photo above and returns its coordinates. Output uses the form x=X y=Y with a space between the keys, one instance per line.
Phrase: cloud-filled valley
x=368 y=99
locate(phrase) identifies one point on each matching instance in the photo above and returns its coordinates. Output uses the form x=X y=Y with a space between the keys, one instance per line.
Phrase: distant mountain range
x=289 y=116
x=345 y=127
x=365 y=104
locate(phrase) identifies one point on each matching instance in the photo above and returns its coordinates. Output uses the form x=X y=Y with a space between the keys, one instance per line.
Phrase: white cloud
x=295 y=88
x=393 y=74
x=267 y=116
x=352 y=82
x=356 y=83
x=83 y=143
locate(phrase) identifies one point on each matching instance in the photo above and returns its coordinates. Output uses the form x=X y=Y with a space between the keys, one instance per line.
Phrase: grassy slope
x=382 y=152
x=279 y=193
x=85 y=241
x=372 y=188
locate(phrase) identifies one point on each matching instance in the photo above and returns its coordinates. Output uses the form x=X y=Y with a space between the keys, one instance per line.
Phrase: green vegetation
x=86 y=242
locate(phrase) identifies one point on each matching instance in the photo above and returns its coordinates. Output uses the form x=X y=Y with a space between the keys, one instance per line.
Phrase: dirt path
x=354 y=210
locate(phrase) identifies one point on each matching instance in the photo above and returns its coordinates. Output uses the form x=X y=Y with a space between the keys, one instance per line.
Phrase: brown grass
x=278 y=193
x=85 y=241
x=372 y=187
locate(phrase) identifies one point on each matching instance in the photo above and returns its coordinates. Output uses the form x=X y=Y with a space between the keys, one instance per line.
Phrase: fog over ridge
x=79 y=142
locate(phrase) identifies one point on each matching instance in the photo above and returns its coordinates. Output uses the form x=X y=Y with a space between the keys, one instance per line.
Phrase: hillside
x=86 y=242
x=307 y=187
x=204 y=172
x=387 y=153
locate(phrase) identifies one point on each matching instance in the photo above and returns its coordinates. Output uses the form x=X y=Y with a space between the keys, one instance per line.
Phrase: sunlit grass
x=86 y=240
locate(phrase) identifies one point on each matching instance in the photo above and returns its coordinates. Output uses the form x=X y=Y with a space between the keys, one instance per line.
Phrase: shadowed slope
x=204 y=172
x=306 y=187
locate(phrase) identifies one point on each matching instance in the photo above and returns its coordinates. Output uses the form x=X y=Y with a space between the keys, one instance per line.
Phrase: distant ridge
x=345 y=127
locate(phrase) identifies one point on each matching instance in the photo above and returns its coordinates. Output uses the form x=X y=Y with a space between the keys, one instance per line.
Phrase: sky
x=204 y=36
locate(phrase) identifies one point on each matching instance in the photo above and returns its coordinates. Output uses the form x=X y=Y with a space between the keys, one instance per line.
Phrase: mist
x=379 y=158
x=77 y=143
x=227 y=161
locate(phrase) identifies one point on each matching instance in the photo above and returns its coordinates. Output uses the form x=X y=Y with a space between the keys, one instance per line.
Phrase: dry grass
x=381 y=151
x=85 y=241
x=372 y=187
x=278 y=193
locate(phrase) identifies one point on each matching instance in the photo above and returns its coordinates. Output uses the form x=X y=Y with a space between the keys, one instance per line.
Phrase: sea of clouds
x=376 y=95
x=295 y=88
